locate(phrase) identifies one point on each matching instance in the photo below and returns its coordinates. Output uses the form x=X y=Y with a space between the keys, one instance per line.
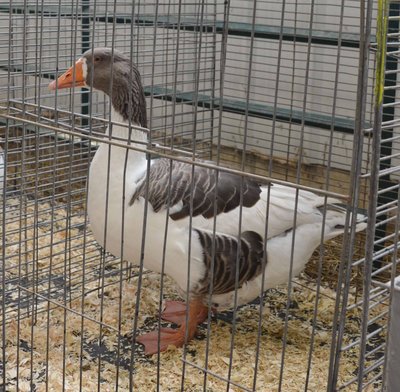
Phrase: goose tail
x=338 y=219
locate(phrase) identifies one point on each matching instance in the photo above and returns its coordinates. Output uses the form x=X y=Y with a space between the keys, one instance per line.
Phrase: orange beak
x=73 y=77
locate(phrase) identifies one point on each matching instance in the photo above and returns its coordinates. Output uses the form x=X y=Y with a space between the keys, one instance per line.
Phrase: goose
x=188 y=198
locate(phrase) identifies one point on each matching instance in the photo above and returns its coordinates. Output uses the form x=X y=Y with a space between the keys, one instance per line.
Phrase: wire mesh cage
x=269 y=146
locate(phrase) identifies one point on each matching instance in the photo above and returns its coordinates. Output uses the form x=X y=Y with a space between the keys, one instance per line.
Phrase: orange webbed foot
x=168 y=337
x=176 y=312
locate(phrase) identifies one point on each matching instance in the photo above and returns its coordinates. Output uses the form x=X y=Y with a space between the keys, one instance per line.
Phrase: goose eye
x=97 y=59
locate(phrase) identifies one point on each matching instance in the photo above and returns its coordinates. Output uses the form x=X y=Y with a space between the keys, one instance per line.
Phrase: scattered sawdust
x=49 y=252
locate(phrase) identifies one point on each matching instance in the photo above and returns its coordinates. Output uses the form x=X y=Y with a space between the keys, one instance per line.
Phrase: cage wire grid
x=282 y=91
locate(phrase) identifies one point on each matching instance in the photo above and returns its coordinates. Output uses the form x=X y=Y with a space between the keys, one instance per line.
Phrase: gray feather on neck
x=108 y=69
x=128 y=97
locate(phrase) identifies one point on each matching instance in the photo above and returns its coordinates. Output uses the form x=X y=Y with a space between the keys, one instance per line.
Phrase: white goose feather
x=119 y=182
x=281 y=209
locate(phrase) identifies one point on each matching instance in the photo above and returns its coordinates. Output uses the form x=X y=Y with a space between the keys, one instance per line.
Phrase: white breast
x=114 y=222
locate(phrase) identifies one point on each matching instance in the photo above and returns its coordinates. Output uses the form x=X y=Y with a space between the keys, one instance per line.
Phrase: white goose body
x=102 y=198
x=282 y=207
x=179 y=198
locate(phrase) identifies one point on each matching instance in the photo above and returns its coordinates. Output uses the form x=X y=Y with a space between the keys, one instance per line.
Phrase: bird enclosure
x=298 y=94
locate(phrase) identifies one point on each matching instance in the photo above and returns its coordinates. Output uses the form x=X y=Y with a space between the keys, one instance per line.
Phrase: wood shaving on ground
x=70 y=316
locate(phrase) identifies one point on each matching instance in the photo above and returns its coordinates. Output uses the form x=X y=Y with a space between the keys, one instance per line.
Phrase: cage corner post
x=393 y=360
x=388 y=116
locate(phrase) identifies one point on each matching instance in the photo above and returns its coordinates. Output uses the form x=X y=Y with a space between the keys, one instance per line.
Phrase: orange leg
x=174 y=337
x=175 y=312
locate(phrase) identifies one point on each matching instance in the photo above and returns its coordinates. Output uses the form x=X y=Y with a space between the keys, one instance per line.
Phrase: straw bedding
x=47 y=343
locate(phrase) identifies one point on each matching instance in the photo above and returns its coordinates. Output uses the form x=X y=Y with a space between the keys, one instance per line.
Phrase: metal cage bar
x=282 y=93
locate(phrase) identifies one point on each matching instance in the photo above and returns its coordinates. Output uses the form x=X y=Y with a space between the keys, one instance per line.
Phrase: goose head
x=111 y=72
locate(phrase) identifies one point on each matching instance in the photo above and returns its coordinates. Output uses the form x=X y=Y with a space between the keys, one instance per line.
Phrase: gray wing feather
x=172 y=182
x=226 y=257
